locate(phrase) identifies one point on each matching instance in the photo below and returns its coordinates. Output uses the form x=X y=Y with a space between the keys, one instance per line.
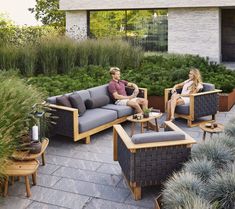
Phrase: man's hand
x=173 y=90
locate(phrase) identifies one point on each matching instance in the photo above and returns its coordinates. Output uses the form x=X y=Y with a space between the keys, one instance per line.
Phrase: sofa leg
x=88 y=140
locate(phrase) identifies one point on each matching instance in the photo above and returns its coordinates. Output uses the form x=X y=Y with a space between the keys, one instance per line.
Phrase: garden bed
x=226 y=101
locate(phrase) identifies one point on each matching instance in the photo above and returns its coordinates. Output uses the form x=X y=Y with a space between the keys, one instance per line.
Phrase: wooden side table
x=143 y=121
x=21 y=168
x=26 y=156
x=218 y=129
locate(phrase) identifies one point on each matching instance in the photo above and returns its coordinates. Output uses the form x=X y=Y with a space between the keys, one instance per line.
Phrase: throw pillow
x=63 y=101
x=77 y=102
x=97 y=102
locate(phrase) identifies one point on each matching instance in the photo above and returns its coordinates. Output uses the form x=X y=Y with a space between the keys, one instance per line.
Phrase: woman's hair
x=197 y=79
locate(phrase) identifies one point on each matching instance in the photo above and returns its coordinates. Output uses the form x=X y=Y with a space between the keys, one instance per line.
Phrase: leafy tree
x=47 y=11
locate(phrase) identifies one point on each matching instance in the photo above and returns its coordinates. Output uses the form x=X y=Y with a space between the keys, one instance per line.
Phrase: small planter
x=157 y=102
x=35 y=147
x=226 y=101
x=146 y=115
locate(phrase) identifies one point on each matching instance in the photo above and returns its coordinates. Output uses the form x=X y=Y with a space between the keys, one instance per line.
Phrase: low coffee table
x=143 y=121
x=218 y=129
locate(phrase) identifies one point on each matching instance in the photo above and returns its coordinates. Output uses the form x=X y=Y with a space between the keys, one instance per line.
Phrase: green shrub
x=17 y=99
x=196 y=202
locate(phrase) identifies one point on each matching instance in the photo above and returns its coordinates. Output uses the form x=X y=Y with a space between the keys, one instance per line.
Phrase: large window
x=147 y=28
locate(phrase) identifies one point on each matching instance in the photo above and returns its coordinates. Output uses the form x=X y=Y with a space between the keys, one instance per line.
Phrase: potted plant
x=146 y=112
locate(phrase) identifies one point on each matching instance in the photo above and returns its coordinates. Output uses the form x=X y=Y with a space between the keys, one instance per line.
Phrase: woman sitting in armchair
x=190 y=86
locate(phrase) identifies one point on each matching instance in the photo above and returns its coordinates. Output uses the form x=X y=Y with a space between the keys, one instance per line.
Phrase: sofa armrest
x=67 y=122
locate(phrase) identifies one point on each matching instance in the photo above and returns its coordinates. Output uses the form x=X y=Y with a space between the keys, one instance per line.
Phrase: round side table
x=218 y=129
x=143 y=121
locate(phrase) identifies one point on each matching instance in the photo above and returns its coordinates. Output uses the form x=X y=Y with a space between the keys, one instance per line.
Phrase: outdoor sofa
x=99 y=114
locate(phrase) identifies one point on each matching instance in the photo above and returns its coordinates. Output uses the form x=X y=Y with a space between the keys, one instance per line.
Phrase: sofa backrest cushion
x=157 y=137
x=52 y=100
x=97 y=102
x=208 y=87
x=84 y=94
x=77 y=102
x=63 y=101
x=99 y=91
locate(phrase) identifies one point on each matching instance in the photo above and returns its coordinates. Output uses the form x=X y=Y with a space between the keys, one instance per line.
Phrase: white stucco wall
x=140 y=4
x=195 y=31
x=76 y=24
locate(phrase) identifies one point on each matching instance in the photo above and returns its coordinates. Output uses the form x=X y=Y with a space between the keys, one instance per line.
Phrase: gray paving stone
x=58 y=198
x=70 y=162
x=93 y=190
x=14 y=203
x=89 y=176
x=38 y=205
x=47 y=180
x=110 y=169
x=104 y=204
x=122 y=184
x=48 y=168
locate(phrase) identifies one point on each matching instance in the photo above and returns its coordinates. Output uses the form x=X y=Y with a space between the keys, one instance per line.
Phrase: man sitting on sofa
x=118 y=93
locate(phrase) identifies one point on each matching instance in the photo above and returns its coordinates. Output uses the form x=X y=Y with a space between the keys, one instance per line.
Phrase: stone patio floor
x=80 y=176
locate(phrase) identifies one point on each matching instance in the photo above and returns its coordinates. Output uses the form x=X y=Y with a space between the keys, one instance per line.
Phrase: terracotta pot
x=157 y=102
x=35 y=147
x=226 y=101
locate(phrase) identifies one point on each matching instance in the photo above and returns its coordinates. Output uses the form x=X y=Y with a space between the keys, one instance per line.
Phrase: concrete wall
x=195 y=31
x=76 y=24
x=140 y=4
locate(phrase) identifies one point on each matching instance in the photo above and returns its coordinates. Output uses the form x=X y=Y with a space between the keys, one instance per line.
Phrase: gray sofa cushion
x=97 y=102
x=63 y=100
x=77 y=102
x=96 y=117
x=182 y=109
x=121 y=110
x=208 y=87
x=158 y=137
x=84 y=94
x=99 y=91
x=52 y=100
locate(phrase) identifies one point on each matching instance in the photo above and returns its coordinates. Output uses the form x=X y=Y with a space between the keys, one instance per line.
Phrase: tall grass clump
x=16 y=103
x=196 y=202
x=221 y=190
x=214 y=150
x=230 y=128
x=179 y=188
x=202 y=168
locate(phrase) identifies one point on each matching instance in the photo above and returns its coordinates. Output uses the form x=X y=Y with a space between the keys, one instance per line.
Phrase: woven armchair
x=152 y=163
x=201 y=104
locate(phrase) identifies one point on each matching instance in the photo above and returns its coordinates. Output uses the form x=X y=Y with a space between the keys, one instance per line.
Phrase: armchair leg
x=136 y=193
x=189 y=123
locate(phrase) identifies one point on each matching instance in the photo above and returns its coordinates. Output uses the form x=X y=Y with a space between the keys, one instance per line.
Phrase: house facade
x=206 y=28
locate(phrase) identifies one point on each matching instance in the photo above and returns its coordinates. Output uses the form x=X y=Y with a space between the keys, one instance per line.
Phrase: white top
x=187 y=84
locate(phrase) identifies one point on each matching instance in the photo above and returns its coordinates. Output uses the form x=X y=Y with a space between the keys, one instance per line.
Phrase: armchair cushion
x=97 y=102
x=208 y=87
x=157 y=137
x=77 y=102
x=63 y=100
